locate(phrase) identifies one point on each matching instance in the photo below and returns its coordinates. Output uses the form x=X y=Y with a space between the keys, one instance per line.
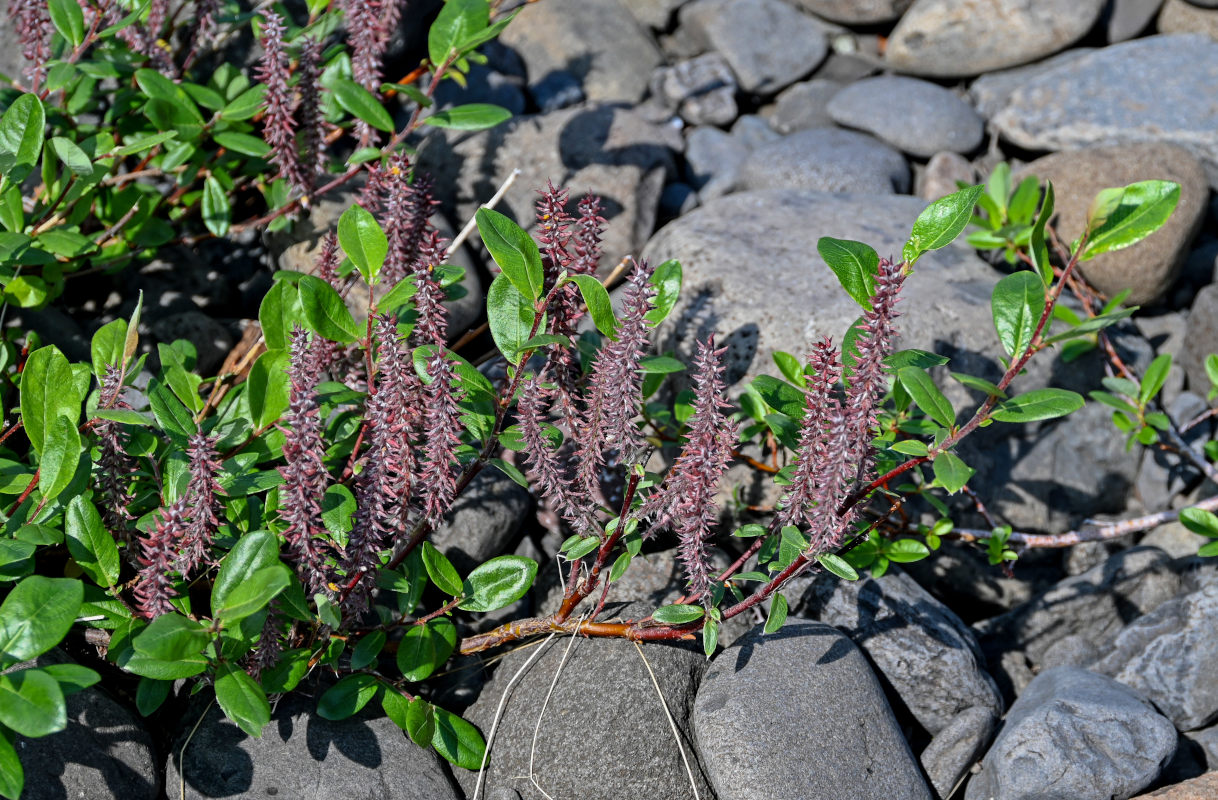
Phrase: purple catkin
x=304 y=472
x=685 y=501
x=153 y=46
x=376 y=184
x=615 y=387
x=279 y=124
x=309 y=117
x=158 y=558
x=553 y=232
x=202 y=502
x=328 y=260
x=383 y=487
x=441 y=435
x=541 y=460
x=431 y=327
x=33 y=24
x=587 y=239
x=270 y=643
x=115 y=467
x=809 y=479
x=367 y=37
x=407 y=218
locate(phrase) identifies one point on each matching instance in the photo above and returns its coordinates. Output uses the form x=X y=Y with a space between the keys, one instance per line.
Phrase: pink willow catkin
x=408 y=207
x=279 y=124
x=685 y=501
x=33 y=24
x=615 y=387
x=304 y=471
x=384 y=487
x=309 y=115
x=115 y=467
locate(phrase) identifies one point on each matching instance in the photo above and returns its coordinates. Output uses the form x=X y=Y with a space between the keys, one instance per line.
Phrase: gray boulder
x=915 y=116
x=605 y=706
x=991 y=91
x=483 y=521
x=744 y=33
x=942 y=174
x=1094 y=605
x=1170 y=656
x=301 y=755
x=713 y=158
x=702 y=90
x=1125 y=19
x=1202 y=338
x=954 y=750
x=601 y=44
x=612 y=152
x=211 y=340
x=797 y=715
x=654 y=13
x=949 y=39
x=1178 y=16
x=856 y=12
x=1075 y=735
x=1159 y=89
x=803 y=105
x=103 y=753
x=1150 y=267
x=929 y=657
x=825 y=160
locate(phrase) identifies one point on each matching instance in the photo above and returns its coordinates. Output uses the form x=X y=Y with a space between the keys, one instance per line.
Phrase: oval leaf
x=325 y=312
x=498 y=583
x=1017 y=303
x=928 y=397
x=855 y=265
x=1037 y=405
x=362 y=239
x=242 y=700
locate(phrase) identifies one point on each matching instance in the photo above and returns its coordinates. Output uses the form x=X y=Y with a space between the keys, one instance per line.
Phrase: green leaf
x=980 y=384
x=287 y=674
x=171 y=637
x=425 y=648
x=455 y=739
x=457 y=22
x=396 y=297
x=173 y=417
x=855 y=265
x=21 y=136
x=1037 y=249
x=244 y=105
x=909 y=447
x=941 y=222
x=268 y=389
x=71 y=155
x=514 y=251
x=150 y=694
x=678 y=614
x=905 y=551
x=441 y=571
x=599 y=306
x=47 y=391
x=107 y=346
x=337 y=509
x=416 y=717
x=31 y=703
x=36 y=615
x=244 y=143
x=367 y=650
x=145 y=143
x=1198 y=520
x=660 y=365
x=254 y=594
x=471 y=117
x=325 y=312
x=778 y=613
x=581 y=546
x=252 y=552
x=1124 y=217
x=1155 y=377
x=345 y=698
x=952 y=473
x=12 y=777
x=279 y=311
x=667 y=281
x=838 y=566
x=780 y=395
x=89 y=543
x=357 y=100
x=914 y=358
x=510 y=316
x=68 y=19
x=60 y=455
x=498 y=582
x=928 y=397
x=1208 y=550
x=133 y=331
x=1018 y=303
x=363 y=241
x=1037 y=405
x=242 y=699
x=710 y=637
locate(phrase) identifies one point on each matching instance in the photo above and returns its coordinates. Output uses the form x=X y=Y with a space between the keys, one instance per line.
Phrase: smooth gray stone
x=798 y=714
x=1179 y=16
x=991 y=91
x=1202 y=338
x=702 y=90
x=948 y=39
x=826 y=160
x=1160 y=89
x=954 y=750
x=1125 y=19
x=1075 y=735
x=915 y=116
x=804 y=105
x=304 y=757
x=856 y=12
x=712 y=159
x=608 y=52
x=1170 y=656
x=745 y=32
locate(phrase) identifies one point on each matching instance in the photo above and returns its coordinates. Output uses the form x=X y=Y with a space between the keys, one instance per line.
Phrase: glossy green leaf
x=1124 y=217
x=253 y=594
x=441 y=571
x=68 y=19
x=143 y=143
x=242 y=700
x=678 y=614
x=71 y=155
x=666 y=279
x=361 y=238
x=1198 y=520
x=60 y=454
x=150 y=694
x=244 y=105
x=279 y=312
x=1037 y=405
x=778 y=613
x=171 y=637
x=89 y=543
x=905 y=551
x=471 y=117
x=927 y=395
x=952 y=473
x=838 y=566
x=47 y=391
x=1037 y=249
x=980 y=384
x=22 y=133
x=368 y=649
x=252 y=552
x=325 y=312
x=36 y=615
x=597 y=301
x=416 y=717
x=456 y=740
x=268 y=389
x=1155 y=377
x=31 y=703
x=1017 y=303
x=855 y=265
x=510 y=316
x=12 y=776
x=425 y=648
x=941 y=222
x=244 y=143
x=357 y=100
x=498 y=582
x=513 y=250
x=457 y=22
